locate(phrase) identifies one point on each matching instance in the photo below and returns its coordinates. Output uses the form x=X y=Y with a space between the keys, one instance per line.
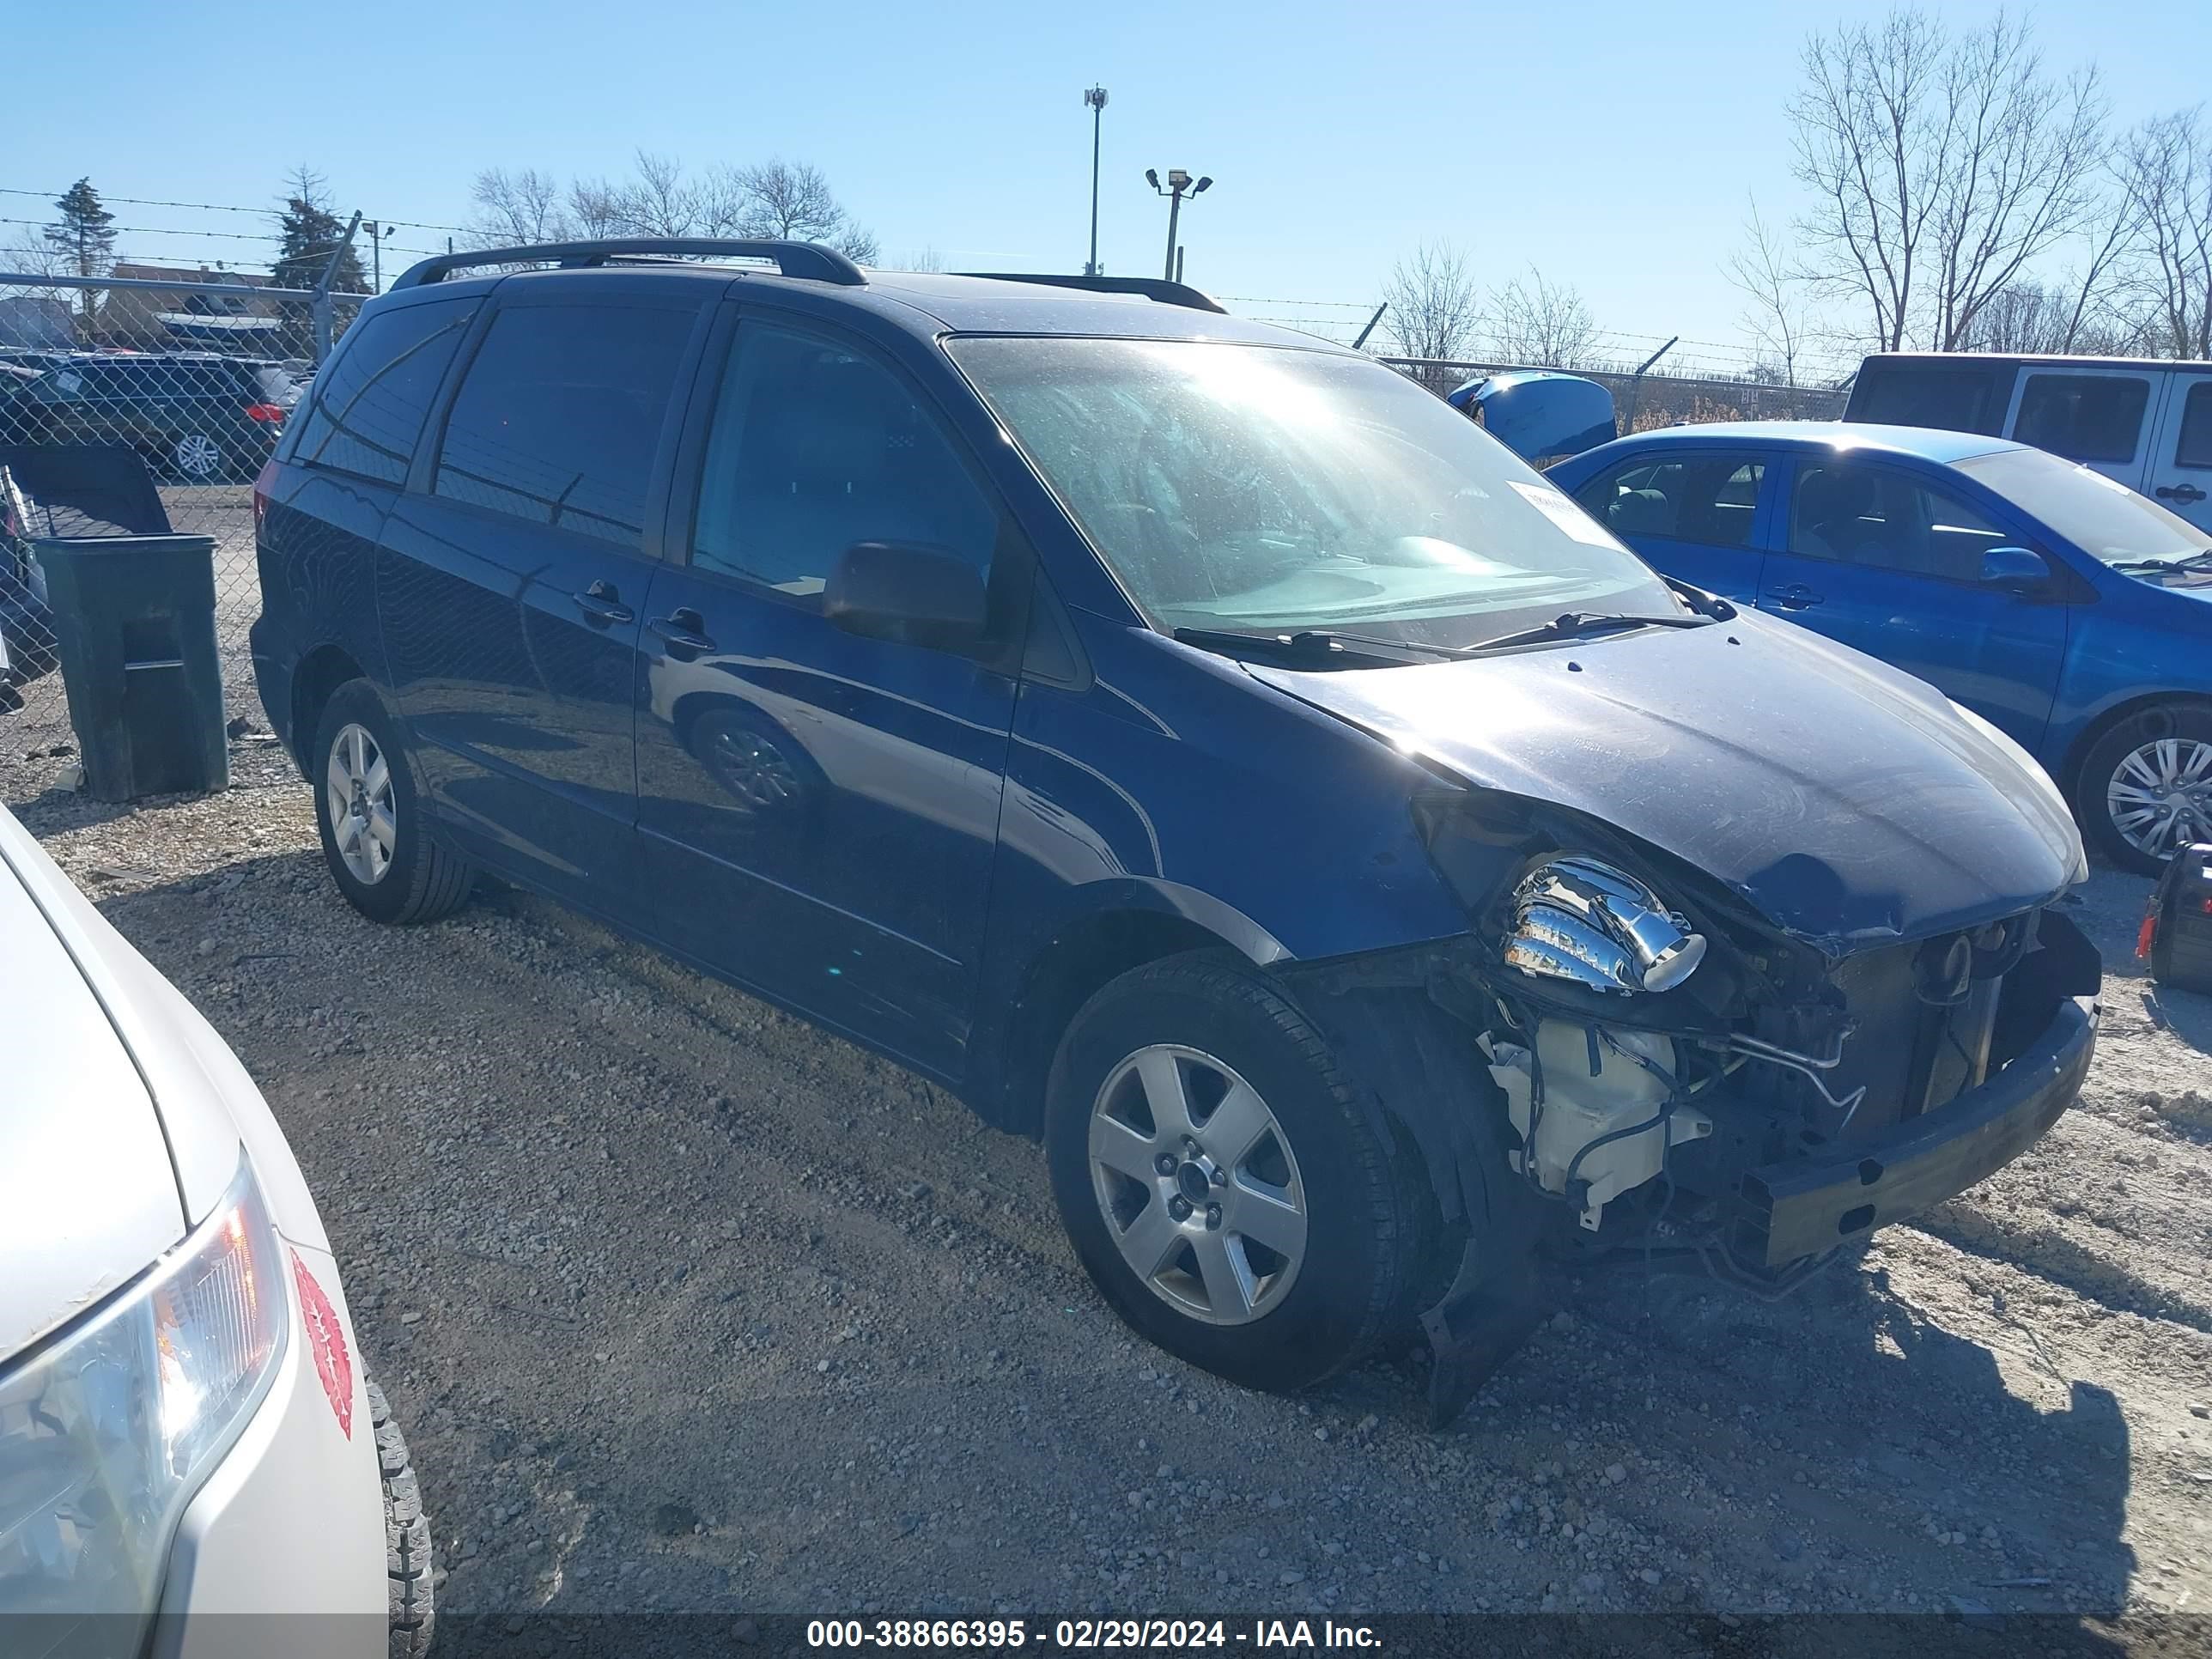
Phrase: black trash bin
x=134 y=620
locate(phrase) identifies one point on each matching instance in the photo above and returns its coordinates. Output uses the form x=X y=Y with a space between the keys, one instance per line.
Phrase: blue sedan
x=2062 y=607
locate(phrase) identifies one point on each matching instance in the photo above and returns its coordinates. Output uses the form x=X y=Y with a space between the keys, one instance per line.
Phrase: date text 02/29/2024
x=1080 y=1635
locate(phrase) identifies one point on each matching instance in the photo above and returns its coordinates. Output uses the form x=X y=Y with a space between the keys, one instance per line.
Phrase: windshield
x=1253 y=488
x=2101 y=516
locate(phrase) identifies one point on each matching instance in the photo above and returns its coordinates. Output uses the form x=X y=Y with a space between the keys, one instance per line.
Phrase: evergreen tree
x=310 y=231
x=84 y=240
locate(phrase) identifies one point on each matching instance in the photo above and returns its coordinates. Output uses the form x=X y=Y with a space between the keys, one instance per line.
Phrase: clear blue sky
x=1612 y=145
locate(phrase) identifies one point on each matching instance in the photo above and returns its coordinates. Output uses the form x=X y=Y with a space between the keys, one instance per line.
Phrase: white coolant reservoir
x=1594 y=1085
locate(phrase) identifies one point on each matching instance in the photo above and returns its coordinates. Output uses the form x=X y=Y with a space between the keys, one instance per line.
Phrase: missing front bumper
x=1803 y=1207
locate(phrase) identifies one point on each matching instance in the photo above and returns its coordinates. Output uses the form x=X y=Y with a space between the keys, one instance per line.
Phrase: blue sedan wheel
x=2146 y=788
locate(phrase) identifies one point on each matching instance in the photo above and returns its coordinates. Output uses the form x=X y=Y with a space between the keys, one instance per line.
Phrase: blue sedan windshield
x=2101 y=516
x=1260 y=488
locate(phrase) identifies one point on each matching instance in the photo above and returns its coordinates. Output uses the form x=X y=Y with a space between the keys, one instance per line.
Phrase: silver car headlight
x=107 y=1430
x=1578 y=919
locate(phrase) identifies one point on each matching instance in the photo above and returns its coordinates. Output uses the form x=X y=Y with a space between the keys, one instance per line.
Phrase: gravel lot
x=687 y=1307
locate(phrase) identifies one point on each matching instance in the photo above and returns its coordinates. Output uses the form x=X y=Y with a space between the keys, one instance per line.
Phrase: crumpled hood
x=1852 y=805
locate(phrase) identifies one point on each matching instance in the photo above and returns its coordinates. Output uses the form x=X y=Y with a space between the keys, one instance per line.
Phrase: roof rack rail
x=808 y=260
x=1153 y=288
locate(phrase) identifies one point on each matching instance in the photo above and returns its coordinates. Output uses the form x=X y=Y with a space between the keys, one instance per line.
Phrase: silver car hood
x=88 y=1197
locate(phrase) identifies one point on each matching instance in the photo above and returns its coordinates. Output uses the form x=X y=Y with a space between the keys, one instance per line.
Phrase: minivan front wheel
x=2146 y=787
x=1220 y=1178
x=382 y=854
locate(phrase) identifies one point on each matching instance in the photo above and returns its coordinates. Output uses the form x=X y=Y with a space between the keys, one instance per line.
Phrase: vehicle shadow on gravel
x=1848 y=1378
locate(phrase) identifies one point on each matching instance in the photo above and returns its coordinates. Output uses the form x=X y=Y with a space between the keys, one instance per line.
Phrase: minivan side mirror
x=2018 y=570
x=907 y=591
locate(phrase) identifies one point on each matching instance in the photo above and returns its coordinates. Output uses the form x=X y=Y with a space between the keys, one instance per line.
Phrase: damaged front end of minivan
x=1625 y=1056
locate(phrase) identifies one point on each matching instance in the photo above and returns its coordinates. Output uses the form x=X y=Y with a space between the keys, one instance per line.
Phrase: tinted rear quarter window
x=2083 y=417
x=369 y=403
x=559 y=415
x=1955 y=397
x=2194 y=446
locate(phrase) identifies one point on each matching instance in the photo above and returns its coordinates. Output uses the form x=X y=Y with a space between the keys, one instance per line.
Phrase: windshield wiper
x=1582 y=625
x=2198 y=561
x=1310 y=642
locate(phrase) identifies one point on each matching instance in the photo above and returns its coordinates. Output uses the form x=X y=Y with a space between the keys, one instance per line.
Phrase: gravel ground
x=685 y=1306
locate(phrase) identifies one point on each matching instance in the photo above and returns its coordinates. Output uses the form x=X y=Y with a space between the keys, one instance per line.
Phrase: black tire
x=425 y=879
x=2189 y=721
x=412 y=1592
x=1360 y=1187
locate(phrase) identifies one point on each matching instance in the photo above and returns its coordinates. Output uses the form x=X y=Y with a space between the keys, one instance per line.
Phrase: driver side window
x=813 y=448
x=1856 y=514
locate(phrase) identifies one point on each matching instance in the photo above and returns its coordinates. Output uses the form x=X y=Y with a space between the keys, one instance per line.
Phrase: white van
x=2145 y=421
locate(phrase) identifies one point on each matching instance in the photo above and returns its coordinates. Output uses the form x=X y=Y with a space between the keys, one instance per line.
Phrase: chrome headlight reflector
x=107 y=1429
x=1578 y=919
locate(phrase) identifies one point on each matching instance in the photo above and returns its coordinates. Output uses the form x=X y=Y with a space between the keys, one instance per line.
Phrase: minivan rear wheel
x=386 y=859
x=2146 y=786
x=1222 y=1182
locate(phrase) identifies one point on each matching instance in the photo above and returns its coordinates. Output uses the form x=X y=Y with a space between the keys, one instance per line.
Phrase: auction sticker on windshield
x=1564 y=513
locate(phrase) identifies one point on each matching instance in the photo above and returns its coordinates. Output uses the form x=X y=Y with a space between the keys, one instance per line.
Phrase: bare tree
x=2023 y=173
x=595 y=208
x=1939 y=169
x=511 y=210
x=793 y=199
x=2166 y=172
x=1776 y=317
x=1541 y=323
x=658 y=200
x=1433 y=309
x=927 y=260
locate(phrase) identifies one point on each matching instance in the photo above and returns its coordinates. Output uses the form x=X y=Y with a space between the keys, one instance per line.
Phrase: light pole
x=1179 y=185
x=376 y=234
x=1095 y=101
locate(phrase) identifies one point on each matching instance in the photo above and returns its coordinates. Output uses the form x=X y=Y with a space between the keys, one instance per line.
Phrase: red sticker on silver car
x=327 y=1341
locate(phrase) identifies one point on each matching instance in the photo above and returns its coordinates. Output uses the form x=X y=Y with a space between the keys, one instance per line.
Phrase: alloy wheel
x=357 y=790
x=1198 y=1185
x=2161 y=795
x=197 y=455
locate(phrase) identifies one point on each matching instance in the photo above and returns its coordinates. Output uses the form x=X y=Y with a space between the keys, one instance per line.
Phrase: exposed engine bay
x=1685 y=1083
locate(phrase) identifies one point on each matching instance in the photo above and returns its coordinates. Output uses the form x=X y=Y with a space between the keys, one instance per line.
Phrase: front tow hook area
x=1487 y=1313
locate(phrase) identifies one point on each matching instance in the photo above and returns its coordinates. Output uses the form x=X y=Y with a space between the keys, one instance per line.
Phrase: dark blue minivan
x=1195 y=746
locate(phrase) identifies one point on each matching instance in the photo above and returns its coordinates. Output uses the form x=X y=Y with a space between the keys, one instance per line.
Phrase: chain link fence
x=192 y=375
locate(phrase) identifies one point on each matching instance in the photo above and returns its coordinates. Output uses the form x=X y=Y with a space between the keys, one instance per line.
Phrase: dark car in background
x=2051 y=600
x=196 y=418
x=1191 y=743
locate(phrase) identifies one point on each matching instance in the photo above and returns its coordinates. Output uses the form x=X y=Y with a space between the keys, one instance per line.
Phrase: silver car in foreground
x=189 y=1445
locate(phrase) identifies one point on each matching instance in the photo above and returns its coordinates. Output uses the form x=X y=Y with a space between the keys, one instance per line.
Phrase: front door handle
x=684 y=630
x=601 y=604
x=1793 y=596
x=2179 y=493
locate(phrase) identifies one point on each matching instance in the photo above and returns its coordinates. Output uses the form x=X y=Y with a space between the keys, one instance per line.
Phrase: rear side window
x=2194 y=446
x=2083 y=417
x=560 y=414
x=1954 y=398
x=370 y=402
x=1708 y=499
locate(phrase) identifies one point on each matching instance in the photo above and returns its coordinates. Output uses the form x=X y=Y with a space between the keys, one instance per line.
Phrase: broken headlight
x=1576 y=919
